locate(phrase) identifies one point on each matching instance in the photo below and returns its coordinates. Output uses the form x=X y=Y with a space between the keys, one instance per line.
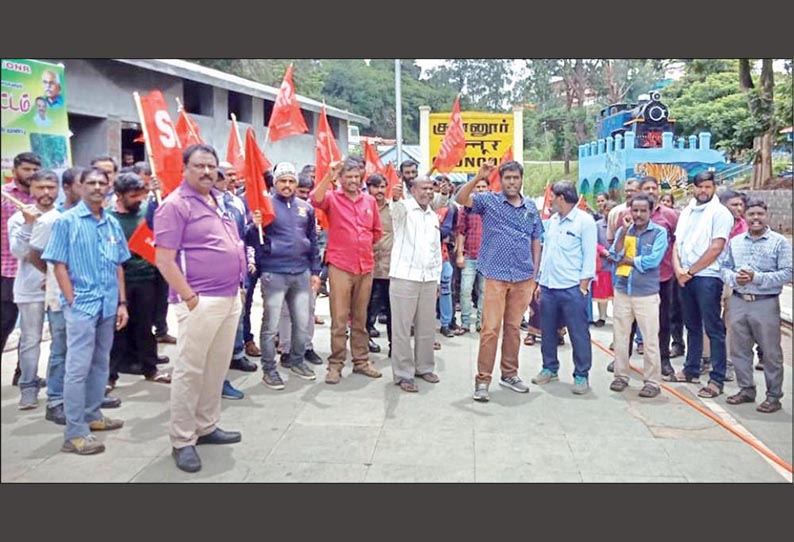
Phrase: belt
x=754 y=297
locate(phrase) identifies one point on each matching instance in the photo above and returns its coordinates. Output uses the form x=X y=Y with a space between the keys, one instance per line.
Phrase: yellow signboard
x=488 y=136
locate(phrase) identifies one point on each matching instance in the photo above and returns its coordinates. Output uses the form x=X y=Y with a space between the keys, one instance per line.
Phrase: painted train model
x=647 y=120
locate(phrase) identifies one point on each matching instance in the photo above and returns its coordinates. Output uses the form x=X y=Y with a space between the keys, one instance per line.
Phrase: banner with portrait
x=34 y=114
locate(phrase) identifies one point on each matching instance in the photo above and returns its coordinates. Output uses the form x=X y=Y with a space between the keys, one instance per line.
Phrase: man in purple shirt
x=201 y=256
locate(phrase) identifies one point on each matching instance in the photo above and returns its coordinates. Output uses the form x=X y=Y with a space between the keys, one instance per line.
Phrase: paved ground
x=365 y=430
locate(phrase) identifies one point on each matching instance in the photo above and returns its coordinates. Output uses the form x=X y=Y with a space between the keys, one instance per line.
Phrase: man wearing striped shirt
x=87 y=247
x=757 y=264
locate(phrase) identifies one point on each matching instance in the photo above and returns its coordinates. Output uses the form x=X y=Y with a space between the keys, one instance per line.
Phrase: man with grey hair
x=414 y=276
x=630 y=187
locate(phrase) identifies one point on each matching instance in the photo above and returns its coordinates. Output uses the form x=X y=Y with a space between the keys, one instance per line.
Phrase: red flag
x=493 y=179
x=326 y=150
x=286 y=119
x=163 y=145
x=142 y=242
x=372 y=162
x=453 y=147
x=187 y=129
x=255 y=191
x=582 y=203
x=139 y=139
x=545 y=211
x=392 y=179
x=234 y=154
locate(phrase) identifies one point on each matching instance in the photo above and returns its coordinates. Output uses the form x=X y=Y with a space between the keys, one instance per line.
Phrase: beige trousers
x=204 y=347
x=644 y=309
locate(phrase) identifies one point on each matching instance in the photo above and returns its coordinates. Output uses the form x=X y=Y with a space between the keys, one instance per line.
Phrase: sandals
x=436 y=345
x=529 y=340
x=710 y=391
x=739 y=398
x=429 y=377
x=768 y=407
x=162 y=378
x=408 y=385
x=649 y=391
x=618 y=385
x=681 y=376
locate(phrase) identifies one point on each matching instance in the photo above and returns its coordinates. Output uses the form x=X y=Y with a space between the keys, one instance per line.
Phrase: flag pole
x=13 y=200
x=137 y=98
x=181 y=109
x=242 y=150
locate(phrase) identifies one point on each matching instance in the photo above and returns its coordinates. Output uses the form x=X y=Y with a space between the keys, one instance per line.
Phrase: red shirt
x=10 y=263
x=470 y=226
x=353 y=227
x=668 y=219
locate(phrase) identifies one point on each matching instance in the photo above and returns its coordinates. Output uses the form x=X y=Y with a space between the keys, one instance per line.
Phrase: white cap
x=284 y=169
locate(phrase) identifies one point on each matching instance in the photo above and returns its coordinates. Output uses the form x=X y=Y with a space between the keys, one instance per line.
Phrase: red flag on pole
x=286 y=119
x=187 y=129
x=163 y=145
x=372 y=162
x=582 y=203
x=545 y=211
x=494 y=180
x=234 y=151
x=392 y=179
x=453 y=147
x=142 y=242
x=255 y=191
x=326 y=150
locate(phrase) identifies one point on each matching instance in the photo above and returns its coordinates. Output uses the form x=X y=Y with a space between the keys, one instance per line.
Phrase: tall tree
x=761 y=104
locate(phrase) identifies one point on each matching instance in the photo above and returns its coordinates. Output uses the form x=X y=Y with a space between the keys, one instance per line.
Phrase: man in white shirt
x=414 y=274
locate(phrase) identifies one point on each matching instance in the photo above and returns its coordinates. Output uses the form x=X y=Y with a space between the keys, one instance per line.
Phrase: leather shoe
x=187 y=459
x=165 y=339
x=219 y=436
x=373 y=332
x=163 y=359
x=251 y=349
x=374 y=347
x=243 y=364
x=111 y=402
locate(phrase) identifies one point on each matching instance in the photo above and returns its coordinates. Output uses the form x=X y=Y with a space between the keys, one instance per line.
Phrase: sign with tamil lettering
x=488 y=136
x=34 y=113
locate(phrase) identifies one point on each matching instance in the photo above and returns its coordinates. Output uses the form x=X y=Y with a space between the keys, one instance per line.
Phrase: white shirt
x=39 y=238
x=416 y=253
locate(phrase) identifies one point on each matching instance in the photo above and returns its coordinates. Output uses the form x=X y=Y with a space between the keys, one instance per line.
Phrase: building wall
x=779 y=204
x=99 y=99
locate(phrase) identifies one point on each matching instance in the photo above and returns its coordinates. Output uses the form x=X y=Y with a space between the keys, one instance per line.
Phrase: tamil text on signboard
x=488 y=136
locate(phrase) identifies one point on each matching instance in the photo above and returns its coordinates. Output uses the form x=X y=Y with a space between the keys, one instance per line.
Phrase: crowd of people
x=405 y=256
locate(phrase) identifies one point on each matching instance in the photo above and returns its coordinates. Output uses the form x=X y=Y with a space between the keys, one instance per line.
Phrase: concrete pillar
x=424 y=138
x=582 y=151
x=518 y=133
x=601 y=146
x=667 y=140
x=618 y=142
x=593 y=148
x=113 y=125
x=610 y=144
x=693 y=142
x=705 y=141
x=629 y=139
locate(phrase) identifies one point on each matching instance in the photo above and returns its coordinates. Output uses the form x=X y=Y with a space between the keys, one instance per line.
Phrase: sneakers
x=333 y=376
x=251 y=349
x=312 y=357
x=618 y=385
x=273 y=380
x=28 y=398
x=105 y=424
x=367 y=369
x=580 y=385
x=446 y=332
x=481 y=392
x=56 y=415
x=544 y=377
x=83 y=446
x=229 y=392
x=303 y=371
x=285 y=361
x=514 y=383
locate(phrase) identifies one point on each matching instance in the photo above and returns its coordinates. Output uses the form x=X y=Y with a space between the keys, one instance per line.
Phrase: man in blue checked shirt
x=566 y=269
x=87 y=248
x=757 y=264
x=636 y=296
x=508 y=259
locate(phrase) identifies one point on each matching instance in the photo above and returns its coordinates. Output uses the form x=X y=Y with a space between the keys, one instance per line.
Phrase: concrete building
x=103 y=117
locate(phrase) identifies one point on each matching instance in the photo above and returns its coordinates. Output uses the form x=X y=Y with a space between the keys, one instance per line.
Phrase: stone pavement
x=365 y=430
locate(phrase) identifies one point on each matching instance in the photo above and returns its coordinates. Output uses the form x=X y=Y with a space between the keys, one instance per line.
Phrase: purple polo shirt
x=209 y=250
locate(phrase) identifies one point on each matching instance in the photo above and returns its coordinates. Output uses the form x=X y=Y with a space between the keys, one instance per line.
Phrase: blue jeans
x=296 y=291
x=565 y=307
x=470 y=278
x=445 y=299
x=57 y=363
x=701 y=301
x=89 y=340
x=31 y=322
x=239 y=344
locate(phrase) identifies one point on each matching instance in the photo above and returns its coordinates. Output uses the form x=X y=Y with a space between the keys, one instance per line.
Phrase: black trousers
x=379 y=303
x=666 y=293
x=676 y=316
x=134 y=347
x=160 y=304
x=10 y=310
